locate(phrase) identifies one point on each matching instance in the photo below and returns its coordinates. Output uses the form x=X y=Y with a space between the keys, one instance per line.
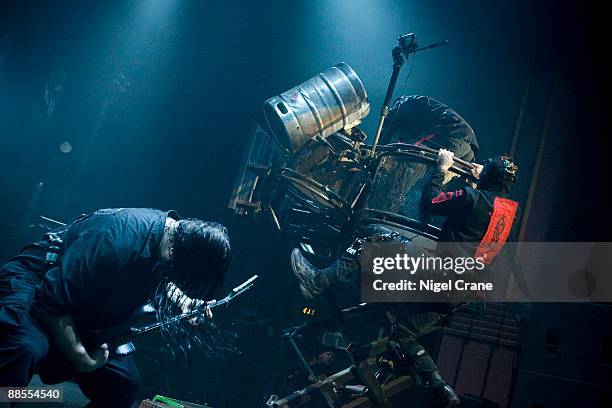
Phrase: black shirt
x=106 y=270
x=468 y=212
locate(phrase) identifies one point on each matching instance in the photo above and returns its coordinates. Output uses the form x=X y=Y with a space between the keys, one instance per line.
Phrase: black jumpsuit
x=104 y=274
x=468 y=213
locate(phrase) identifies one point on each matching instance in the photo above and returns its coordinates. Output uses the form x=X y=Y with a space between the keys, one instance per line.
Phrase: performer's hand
x=208 y=311
x=476 y=170
x=189 y=304
x=445 y=159
x=93 y=361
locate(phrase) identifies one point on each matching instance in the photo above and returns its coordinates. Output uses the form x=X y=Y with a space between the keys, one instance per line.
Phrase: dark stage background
x=157 y=100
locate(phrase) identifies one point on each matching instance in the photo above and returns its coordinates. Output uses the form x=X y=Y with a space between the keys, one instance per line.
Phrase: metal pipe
x=398 y=61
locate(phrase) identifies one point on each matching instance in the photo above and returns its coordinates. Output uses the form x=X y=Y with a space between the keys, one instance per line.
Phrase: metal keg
x=333 y=100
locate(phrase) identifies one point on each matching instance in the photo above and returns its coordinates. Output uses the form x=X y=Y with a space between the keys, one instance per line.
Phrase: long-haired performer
x=93 y=274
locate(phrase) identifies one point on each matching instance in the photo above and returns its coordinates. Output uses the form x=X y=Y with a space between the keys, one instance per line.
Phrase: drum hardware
x=369 y=392
x=426 y=153
x=319 y=189
x=313 y=173
x=260 y=157
x=290 y=337
x=328 y=145
x=260 y=172
x=354 y=203
x=406 y=45
x=369 y=216
x=356 y=135
x=315 y=204
x=341 y=389
x=317 y=194
x=433 y=151
x=304 y=217
x=275 y=218
x=325 y=389
x=354 y=251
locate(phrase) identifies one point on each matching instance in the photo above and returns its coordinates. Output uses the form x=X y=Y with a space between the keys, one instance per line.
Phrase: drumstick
x=460 y=161
x=430 y=150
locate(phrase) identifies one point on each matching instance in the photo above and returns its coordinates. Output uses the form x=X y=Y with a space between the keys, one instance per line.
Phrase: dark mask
x=498 y=174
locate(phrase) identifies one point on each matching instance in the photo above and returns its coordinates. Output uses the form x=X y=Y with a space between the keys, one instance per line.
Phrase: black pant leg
x=419 y=319
x=22 y=348
x=113 y=385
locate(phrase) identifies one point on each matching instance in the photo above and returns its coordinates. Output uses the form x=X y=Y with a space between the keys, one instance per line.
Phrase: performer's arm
x=441 y=202
x=184 y=302
x=59 y=296
x=66 y=339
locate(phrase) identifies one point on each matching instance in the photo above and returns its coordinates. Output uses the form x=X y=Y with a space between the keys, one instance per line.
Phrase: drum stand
x=369 y=394
x=407 y=45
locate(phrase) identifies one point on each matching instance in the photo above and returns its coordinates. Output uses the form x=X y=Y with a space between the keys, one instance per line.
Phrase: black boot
x=442 y=394
x=313 y=280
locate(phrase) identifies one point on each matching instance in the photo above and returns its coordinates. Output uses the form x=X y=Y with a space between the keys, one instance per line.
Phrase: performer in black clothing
x=478 y=224
x=110 y=262
x=479 y=220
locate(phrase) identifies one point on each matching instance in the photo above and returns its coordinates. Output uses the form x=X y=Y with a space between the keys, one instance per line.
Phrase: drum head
x=395 y=195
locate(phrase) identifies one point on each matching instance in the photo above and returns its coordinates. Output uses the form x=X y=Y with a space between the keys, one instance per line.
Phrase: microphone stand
x=407 y=45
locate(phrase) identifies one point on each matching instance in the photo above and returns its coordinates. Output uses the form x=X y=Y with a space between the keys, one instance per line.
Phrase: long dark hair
x=200 y=258
x=201 y=255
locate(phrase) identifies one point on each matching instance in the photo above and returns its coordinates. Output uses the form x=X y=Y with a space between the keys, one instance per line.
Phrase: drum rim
x=334 y=218
x=365 y=215
x=404 y=149
x=410 y=224
x=322 y=191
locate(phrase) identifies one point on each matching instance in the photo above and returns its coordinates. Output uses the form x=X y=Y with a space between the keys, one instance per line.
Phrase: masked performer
x=477 y=218
x=422 y=120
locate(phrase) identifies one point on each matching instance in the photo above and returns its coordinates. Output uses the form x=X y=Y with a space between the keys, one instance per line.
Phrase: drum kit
x=309 y=171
